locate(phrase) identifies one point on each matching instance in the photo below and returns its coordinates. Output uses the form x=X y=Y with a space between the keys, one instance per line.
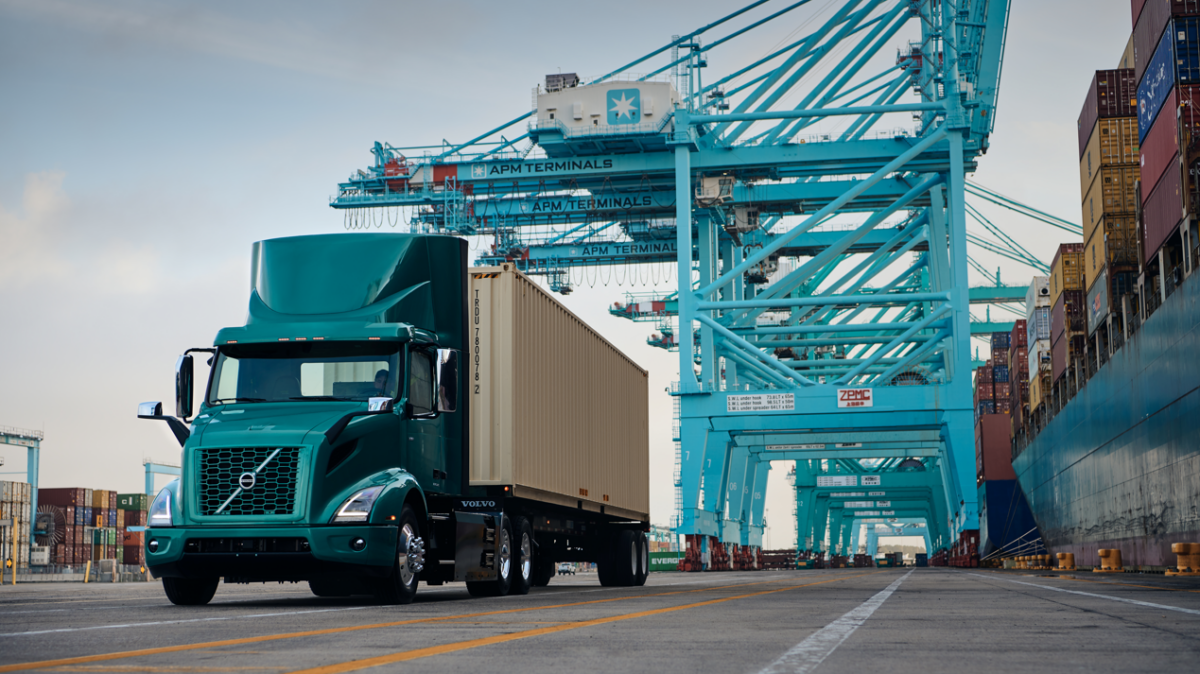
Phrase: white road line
x=176 y=622
x=1099 y=596
x=806 y=655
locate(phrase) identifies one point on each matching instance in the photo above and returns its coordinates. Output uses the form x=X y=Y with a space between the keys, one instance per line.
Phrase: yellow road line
x=338 y=630
x=405 y=656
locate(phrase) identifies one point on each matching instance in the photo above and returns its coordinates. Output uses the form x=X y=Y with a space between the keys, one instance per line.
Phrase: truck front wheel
x=400 y=587
x=190 y=591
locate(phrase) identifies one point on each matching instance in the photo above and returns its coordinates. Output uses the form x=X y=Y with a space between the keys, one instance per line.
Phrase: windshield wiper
x=222 y=401
x=319 y=398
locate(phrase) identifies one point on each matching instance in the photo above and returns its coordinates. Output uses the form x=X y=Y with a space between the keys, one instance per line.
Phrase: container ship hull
x=1119 y=465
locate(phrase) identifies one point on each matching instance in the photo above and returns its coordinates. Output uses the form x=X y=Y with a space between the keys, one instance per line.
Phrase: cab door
x=425 y=444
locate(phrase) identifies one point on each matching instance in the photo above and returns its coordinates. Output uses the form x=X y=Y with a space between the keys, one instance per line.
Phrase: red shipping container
x=1112 y=93
x=1000 y=357
x=984 y=391
x=129 y=538
x=993 y=449
x=135 y=518
x=1136 y=6
x=1161 y=145
x=134 y=554
x=1019 y=336
x=61 y=497
x=1004 y=406
x=1162 y=212
x=1003 y=391
x=1152 y=19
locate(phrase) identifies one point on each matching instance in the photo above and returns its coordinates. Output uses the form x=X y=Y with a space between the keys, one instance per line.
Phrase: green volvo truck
x=389 y=415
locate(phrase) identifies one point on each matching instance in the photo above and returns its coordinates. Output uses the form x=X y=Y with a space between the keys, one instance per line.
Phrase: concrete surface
x=845 y=620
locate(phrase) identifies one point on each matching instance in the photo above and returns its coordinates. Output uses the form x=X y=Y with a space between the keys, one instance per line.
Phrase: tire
x=190 y=591
x=543 y=570
x=327 y=588
x=643 y=554
x=504 y=567
x=523 y=557
x=400 y=586
x=618 y=565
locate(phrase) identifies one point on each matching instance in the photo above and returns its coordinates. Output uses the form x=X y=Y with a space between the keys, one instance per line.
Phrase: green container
x=806 y=564
x=133 y=502
x=665 y=561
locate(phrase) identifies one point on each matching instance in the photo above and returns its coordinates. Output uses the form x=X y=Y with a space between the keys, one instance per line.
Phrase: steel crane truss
x=863 y=348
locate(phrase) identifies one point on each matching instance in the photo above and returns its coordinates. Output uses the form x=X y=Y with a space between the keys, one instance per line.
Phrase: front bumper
x=328 y=552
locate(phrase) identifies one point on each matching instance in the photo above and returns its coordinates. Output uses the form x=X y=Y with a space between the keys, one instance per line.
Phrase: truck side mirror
x=446 y=380
x=183 y=386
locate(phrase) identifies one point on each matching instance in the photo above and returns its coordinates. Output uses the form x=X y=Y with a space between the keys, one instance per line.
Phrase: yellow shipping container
x=1114 y=241
x=1067 y=273
x=557 y=412
x=1126 y=61
x=1114 y=143
x=1113 y=192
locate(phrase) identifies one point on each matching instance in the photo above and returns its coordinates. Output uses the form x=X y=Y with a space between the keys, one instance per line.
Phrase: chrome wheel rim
x=411 y=557
x=526 y=557
x=505 y=554
x=633 y=557
x=645 y=559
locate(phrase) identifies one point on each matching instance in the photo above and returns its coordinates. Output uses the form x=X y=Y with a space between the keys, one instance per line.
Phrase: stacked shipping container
x=94 y=524
x=15 y=500
x=1037 y=326
x=1166 y=38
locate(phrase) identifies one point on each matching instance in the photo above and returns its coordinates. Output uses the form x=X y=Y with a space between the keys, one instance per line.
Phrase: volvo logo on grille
x=246 y=481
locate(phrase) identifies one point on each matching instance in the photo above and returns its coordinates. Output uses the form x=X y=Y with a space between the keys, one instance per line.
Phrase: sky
x=145 y=145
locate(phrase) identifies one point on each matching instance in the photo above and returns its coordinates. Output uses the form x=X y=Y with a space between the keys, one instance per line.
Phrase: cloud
x=28 y=253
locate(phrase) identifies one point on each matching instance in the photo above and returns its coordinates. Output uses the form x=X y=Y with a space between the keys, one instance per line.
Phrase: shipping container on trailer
x=1114 y=142
x=548 y=442
x=1150 y=27
x=1112 y=93
x=1162 y=212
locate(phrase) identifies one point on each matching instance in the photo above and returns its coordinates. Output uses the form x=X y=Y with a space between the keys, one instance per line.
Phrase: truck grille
x=223 y=471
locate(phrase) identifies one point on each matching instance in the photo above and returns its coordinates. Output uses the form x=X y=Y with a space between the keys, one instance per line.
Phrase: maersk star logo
x=624 y=106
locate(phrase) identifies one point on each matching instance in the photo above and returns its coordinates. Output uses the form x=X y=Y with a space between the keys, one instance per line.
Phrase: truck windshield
x=300 y=371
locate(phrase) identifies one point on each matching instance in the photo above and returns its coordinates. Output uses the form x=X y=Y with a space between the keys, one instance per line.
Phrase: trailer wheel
x=190 y=591
x=504 y=567
x=543 y=570
x=643 y=547
x=400 y=586
x=522 y=575
x=618 y=565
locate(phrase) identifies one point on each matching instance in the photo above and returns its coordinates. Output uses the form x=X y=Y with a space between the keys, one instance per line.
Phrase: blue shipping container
x=1000 y=340
x=1175 y=61
x=1000 y=374
x=1037 y=326
x=987 y=406
x=1156 y=83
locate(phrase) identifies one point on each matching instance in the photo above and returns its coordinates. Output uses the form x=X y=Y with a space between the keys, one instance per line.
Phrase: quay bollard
x=1110 y=561
x=1066 y=561
x=1187 y=559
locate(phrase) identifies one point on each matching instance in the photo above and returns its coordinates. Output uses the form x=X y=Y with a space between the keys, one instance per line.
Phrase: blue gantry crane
x=810 y=208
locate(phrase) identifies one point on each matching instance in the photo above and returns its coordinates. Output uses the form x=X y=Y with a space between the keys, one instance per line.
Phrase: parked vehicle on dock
x=389 y=415
x=566 y=569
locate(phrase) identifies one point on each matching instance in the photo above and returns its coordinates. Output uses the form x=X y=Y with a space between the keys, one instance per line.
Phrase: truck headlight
x=160 y=510
x=357 y=508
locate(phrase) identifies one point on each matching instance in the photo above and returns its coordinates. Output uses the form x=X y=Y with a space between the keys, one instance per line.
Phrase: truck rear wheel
x=400 y=587
x=504 y=566
x=190 y=591
x=522 y=575
x=643 y=553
